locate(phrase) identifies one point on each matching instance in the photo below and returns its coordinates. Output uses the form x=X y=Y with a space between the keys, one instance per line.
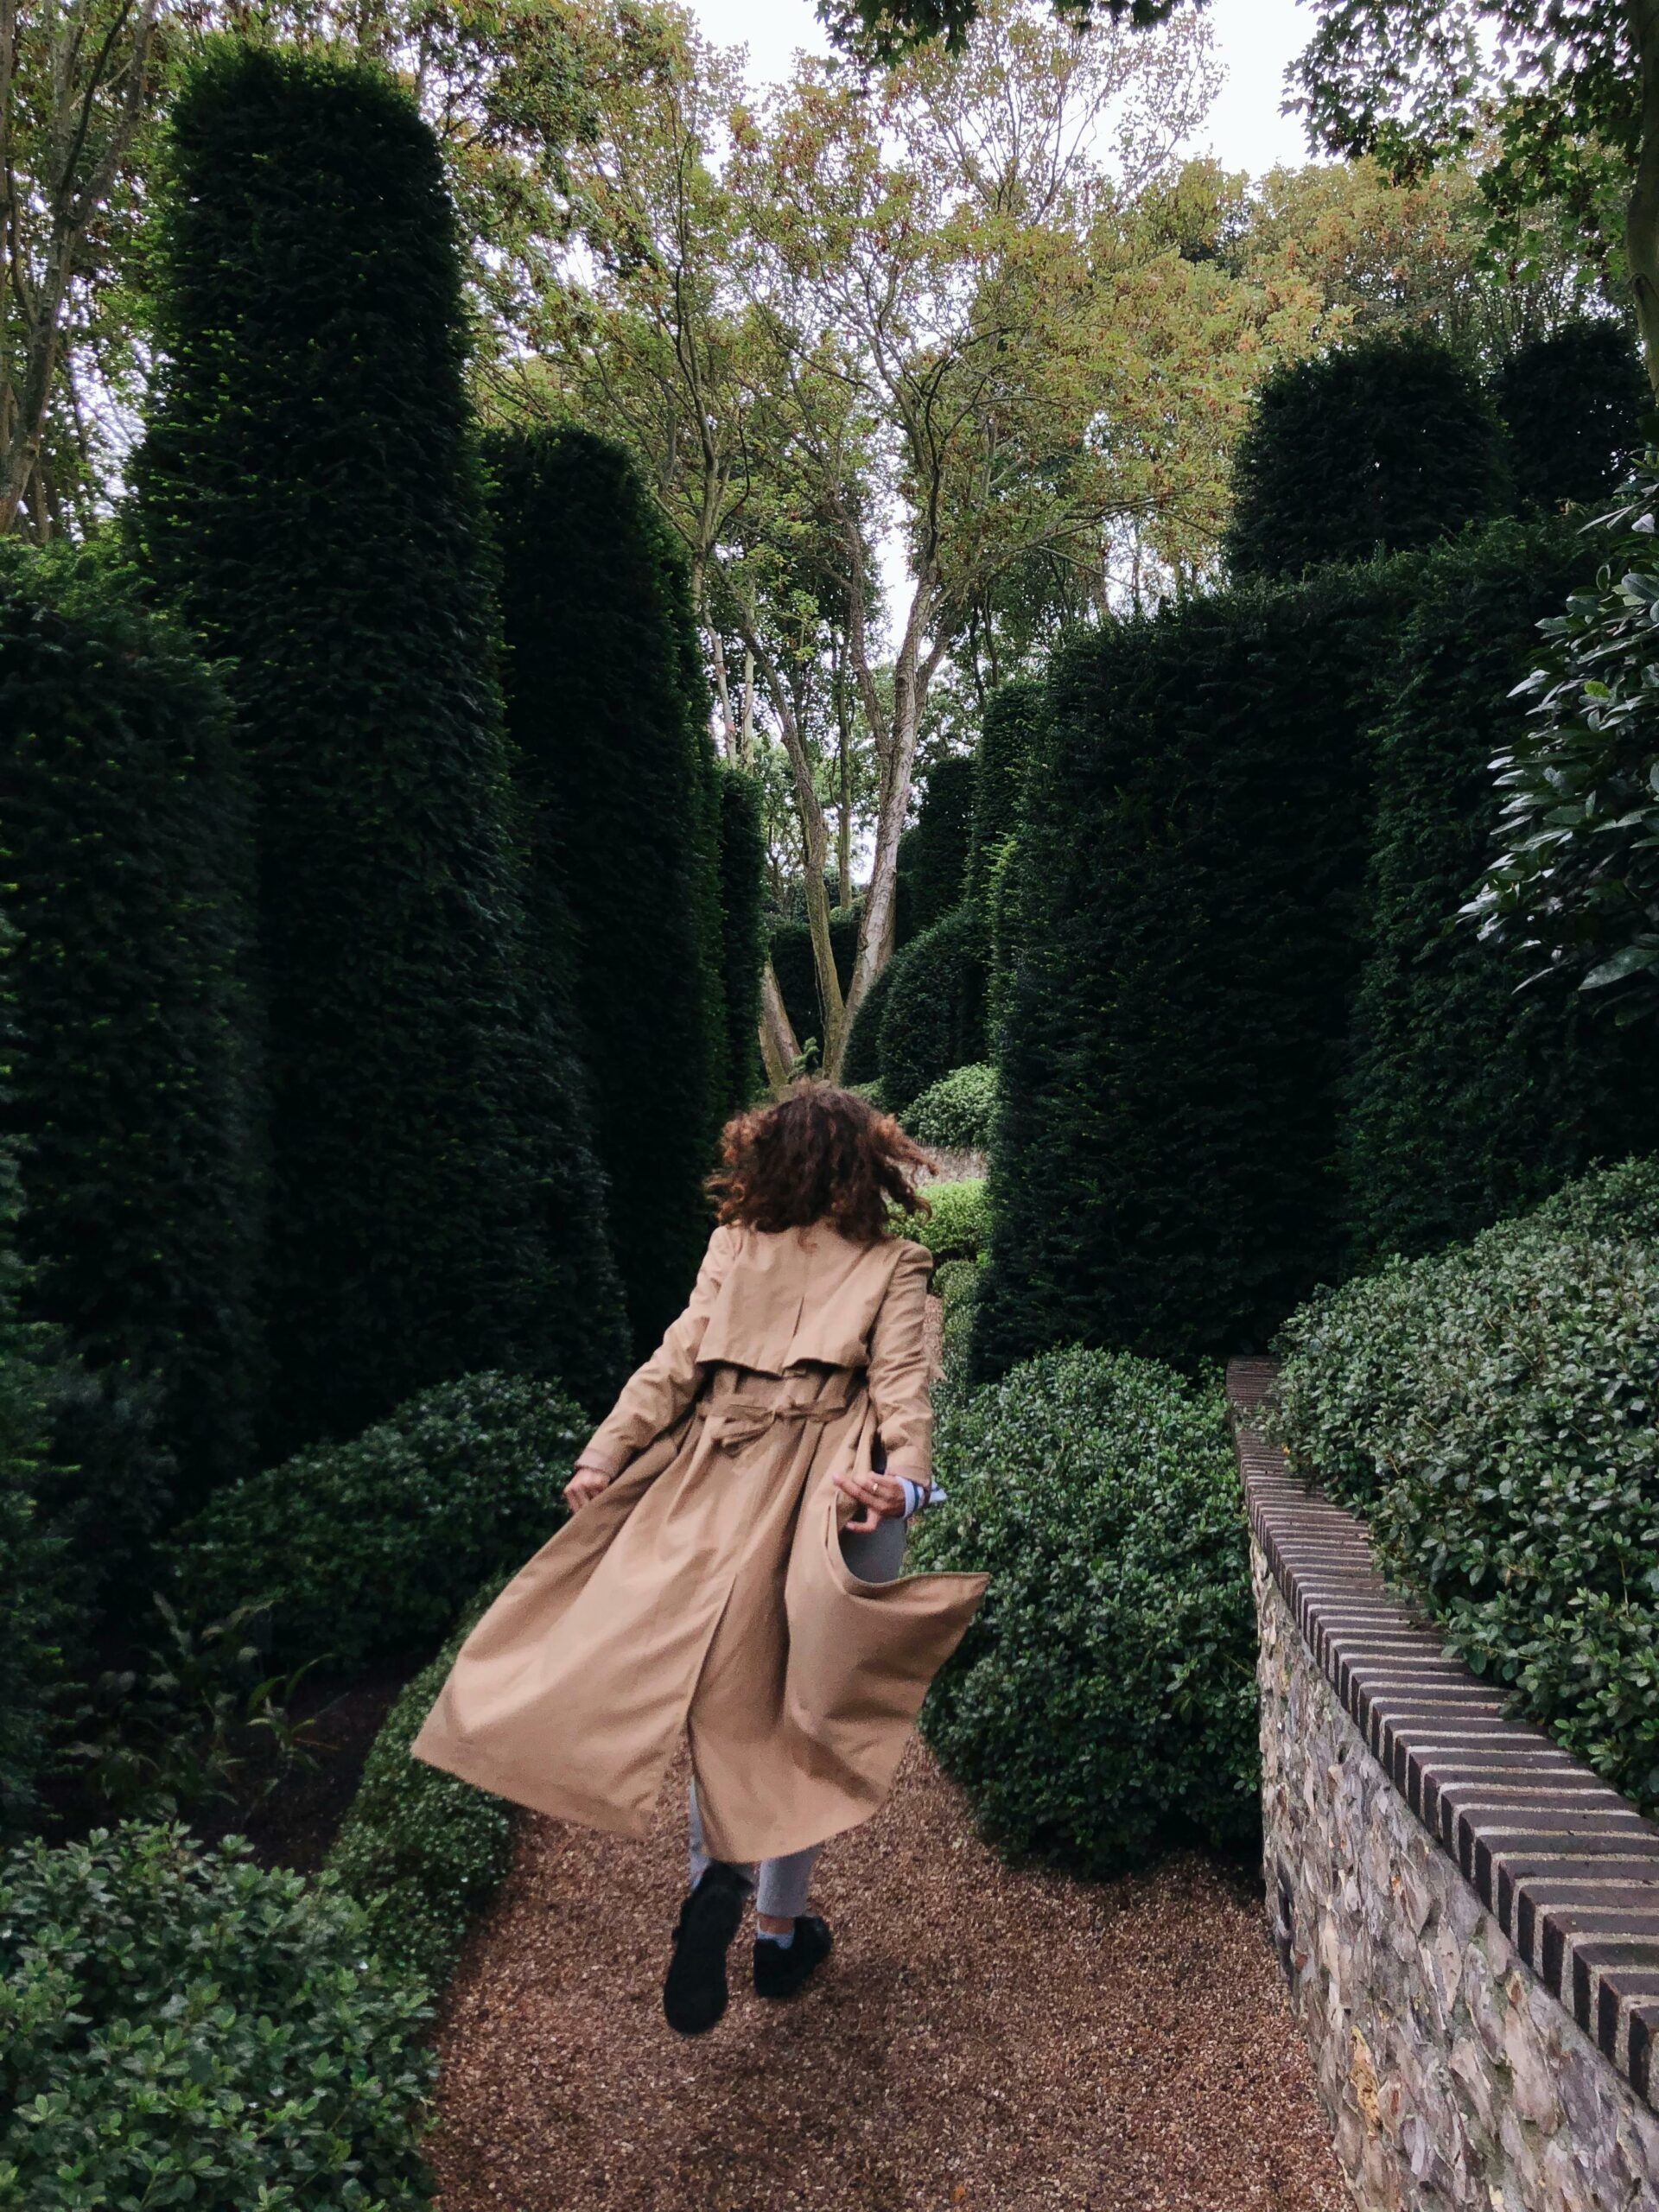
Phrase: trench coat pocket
x=861 y=1654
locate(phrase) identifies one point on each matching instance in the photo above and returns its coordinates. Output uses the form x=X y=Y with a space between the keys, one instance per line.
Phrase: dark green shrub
x=933 y=851
x=1388 y=444
x=182 y=2027
x=367 y=1548
x=1164 y=1175
x=1572 y=406
x=1008 y=741
x=422 y=1852
x=1490 y=1411
x=790 y=947
x=957 y=1112
x=1104 y=1698
x=742 y=883
x=956 y=1284
x=1468 y=1098
x=955 y=1227
x=28 y=1558
x=934 y=1017
x=610 y=730
x=307 y=492
x=124 y=841
x=860 y=1059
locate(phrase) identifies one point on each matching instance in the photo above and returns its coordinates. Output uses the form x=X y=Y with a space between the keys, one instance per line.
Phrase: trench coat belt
x=738 y=1420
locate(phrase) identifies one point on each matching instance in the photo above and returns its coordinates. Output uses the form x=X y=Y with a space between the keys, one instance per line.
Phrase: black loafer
x=694 y=1990
x=780 y=1969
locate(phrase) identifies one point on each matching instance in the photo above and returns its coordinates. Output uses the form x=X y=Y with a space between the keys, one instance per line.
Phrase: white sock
x=766 y=1936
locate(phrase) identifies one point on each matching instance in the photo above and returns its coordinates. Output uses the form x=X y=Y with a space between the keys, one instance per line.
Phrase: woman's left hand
x=881 y=1497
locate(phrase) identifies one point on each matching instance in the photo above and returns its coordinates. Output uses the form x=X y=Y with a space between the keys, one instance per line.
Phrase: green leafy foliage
x=933 y=851
x=1572 y=405
x=957 y=1112
x=1576 y=884
x=1007 y=740
x=934 y=1016
x=742 y=880
x=179 y=2027
x=126 y=852
x=1468 y=1098
x=1164 y=1175
x=308 y=494
x=367 y=1548
x=1104 y=1698
x=608 y=720
x=955 y=1227
x=422 y=1852
x=956 y=1284
x=29 y=1617
x=1386 y=445
x=1491 y=1412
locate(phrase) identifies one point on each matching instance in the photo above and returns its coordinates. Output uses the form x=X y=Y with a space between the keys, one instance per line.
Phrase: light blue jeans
x=780 y=1885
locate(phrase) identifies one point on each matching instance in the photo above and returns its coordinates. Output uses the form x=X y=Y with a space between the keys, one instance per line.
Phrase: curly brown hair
x=818 y=1154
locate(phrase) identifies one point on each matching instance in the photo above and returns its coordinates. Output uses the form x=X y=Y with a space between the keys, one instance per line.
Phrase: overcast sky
x=1256 y=39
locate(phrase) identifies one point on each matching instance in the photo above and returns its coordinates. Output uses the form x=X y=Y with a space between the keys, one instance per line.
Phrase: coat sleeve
x=658 y=1393
x=898 y=1375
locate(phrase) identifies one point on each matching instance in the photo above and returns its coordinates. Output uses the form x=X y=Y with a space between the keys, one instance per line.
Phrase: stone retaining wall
x=1469 y=1919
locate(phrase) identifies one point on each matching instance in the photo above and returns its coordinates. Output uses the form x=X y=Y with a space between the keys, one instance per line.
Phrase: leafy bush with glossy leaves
x=1576 y=883
x=367 y=1548
x=1493 y=1413
x=422 y=1852
x=957 y=1226
x=1104 y=1699
x=957 y=1112
x=182 y=2027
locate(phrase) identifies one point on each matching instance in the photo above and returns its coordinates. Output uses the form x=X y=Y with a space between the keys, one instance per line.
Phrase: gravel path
x=996 y=2040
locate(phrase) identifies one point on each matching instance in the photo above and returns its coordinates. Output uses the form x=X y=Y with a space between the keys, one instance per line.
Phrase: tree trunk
x=1641 y=215
x=779 y=1048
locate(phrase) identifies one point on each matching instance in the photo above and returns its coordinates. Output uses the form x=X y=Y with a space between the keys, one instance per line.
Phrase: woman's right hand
x=584 y=1487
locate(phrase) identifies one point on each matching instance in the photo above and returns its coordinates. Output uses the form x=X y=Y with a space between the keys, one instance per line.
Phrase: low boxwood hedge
x=178 y=2026
x=956 y=1113
x=1104 y=1699
x=371 y=1548
x=421 y=1852
x=1493 y=1413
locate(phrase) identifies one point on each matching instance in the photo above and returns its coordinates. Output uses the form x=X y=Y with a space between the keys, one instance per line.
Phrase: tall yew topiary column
x=308 y=493
x=610 y=732
x=134 y=1095
x=742 y=886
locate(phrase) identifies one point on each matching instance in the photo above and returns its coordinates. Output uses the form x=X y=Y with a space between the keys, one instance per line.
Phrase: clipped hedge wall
x=933 y=1019
x=860 y=1059
x=1163 y=1176
x=1572 y=406
x=790 y=946
x=1466 y=1100
x=615 y=769
x=743 y=944
x=184 y=2028
x=366 y=1549
x=308 y=495
x=933 y=851
x=1491 y=1413
x=27 y=1557
x=1008 y=741
x=1103 y=1701
x=1389 y=444
x=422 y=1852
x=125 y=847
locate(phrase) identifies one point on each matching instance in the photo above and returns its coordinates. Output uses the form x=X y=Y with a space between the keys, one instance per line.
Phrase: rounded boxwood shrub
x=1104 y=1699
x=178 y=2026
x=934 y=1018
x=956 y=1113
x=1491 y=1412
x=956 y=1226
x=369 y=1547
x=1572 y=405
x=422 y=1852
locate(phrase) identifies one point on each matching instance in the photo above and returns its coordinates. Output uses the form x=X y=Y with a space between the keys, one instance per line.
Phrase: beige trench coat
x=704 y=1592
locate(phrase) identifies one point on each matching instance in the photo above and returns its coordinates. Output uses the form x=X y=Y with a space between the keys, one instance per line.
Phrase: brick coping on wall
x=1568 y=1867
